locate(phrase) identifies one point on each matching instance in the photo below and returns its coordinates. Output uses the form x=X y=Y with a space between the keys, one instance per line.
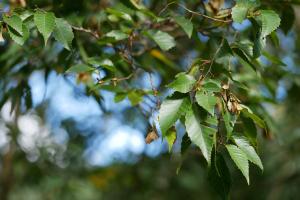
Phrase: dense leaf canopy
x=203 y=75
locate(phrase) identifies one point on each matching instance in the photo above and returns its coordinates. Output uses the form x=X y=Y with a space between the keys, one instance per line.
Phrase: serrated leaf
x=163 y=39
x=240 y=10
x=212 y=86
x=199 y=134
x=170 y=137
x=170 y=111
x=80 y=68
x=19 y=39
x=240 y=159
x=45 y=23
x=183 y=83
x=14 y=22
x=206 y=101
x=270 y=21
x=117 y=35
x=185 y=24
x=239 y=13
x=63 y=33
x=212 y=120
x=250 y=152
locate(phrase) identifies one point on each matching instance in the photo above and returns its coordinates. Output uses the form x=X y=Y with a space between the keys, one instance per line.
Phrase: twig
x=115 y=80
x=213 y=59
x=193 y=12
x=93 y=33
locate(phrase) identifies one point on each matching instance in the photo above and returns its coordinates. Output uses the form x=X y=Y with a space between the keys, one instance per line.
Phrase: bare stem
x=193 y=12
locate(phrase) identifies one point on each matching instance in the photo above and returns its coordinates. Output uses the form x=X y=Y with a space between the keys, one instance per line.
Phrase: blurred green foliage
x=220 y=70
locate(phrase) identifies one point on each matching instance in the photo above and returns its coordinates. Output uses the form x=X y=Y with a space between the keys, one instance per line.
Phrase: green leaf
x=248 y=113
x=270 y=21
x=163 y=39
x=170 y=111
x=249 y=129
x=120 y=97
x=45 y=23
x=273 y=59
x=228 y=122
x=212 y=86
x=99 y=62
x=212 y=120
x=119 y=14
x=243 y=58
x=240 y=10
x=80 y=68
x=250 y=152
x=135 y=98
x=171 y=137
x=185 y=24
x=219 y=176
x=206 y=101
x=199 y=134
x=117 y=35
x=63 y=33
x=137 y=4
x=225 y=53
x=14 y=22
x=183 y=83
x=239 y=13
x=19 y=39
x=240 y=159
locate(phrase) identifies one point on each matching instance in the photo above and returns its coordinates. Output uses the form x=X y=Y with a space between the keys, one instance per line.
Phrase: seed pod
x=151 y=136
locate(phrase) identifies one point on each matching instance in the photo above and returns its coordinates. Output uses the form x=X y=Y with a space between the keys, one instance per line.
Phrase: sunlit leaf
x=199 y=134
x=240 y=159
x=206 y=101
x=45 y=23
x=170 y=111
x=270 y=21
x=185 y=24
x=250 y=152
x=163 y=39
x=183 y=83
x=170 y=137
x=63 y=33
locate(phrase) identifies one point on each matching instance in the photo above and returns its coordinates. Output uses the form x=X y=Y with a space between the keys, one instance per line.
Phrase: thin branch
x=115 y=80
x=93 y=33
x=213 y=59
x=193 y=12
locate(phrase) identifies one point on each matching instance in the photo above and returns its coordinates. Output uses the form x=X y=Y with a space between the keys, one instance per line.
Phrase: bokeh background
x=67 y=146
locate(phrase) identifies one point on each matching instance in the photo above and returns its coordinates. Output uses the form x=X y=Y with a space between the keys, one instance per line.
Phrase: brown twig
x=115 y=80
x=93 y=33
x=193 y=12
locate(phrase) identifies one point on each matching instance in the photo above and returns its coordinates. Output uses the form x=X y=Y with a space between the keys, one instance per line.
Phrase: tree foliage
x=215 y=93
